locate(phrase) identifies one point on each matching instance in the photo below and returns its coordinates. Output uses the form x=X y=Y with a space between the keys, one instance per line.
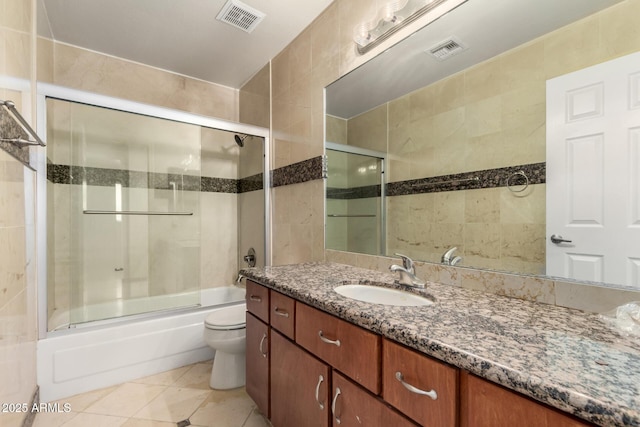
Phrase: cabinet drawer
x=348 y=348
x=258 y=300
x=403 y=369
x=354 y=407
x=282 y=313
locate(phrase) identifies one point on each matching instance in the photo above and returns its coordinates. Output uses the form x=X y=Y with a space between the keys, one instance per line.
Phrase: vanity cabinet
x=257 y=362
x=282 y=314
x=485 y=404
x=308 y=368
x=257 y=298
x=300 y=386
x=353 y=406
x=350 y=349
x=424 y=389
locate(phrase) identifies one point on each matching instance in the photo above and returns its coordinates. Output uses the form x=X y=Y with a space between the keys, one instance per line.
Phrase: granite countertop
x=566 y=358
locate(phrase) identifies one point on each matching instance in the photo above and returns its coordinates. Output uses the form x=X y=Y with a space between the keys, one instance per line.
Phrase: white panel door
x=593 y=173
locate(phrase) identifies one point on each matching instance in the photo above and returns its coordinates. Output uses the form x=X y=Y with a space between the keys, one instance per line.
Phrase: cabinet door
x=354 y=406
x=485 y=404
x=300 y=386
x=257 y=363
x=350 y=349
x=282 y=314
x=423 y=388
x=258 y=300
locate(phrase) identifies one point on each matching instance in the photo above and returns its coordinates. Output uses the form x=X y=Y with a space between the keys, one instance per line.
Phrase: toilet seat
x=227 y=318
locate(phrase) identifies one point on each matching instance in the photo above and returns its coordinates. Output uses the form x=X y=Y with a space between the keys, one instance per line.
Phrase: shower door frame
x=45 y=90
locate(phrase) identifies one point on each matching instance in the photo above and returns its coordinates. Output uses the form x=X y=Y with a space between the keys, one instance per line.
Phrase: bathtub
x=102 y=354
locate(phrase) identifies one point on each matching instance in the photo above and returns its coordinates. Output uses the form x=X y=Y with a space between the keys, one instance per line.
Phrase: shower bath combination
x=136 y=279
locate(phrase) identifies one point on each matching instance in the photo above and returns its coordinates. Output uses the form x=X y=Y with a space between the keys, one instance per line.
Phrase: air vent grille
x=447 y=49
x=240 y=15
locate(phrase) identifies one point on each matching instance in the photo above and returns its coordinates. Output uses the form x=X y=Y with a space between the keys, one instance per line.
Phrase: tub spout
x=239 y=279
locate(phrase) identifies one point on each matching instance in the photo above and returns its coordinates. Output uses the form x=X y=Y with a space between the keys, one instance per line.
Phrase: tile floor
x=163 y=400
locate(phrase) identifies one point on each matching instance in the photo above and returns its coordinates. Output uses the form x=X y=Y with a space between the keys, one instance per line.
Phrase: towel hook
x=510 y=183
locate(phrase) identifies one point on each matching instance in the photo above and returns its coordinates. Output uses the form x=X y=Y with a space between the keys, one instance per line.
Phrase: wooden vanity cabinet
x=282 y=313
x=257 y=298
x=485 y=404
x=301 y=362
x=422 y=388
x=355 y=407
x=257 y=362
x=350 y=349
x=300 y=386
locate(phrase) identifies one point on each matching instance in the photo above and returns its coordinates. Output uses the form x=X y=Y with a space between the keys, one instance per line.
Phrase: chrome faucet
x=407 y=273
x=449 y=259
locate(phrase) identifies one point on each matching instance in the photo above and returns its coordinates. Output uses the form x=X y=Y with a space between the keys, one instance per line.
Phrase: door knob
x=558 y=239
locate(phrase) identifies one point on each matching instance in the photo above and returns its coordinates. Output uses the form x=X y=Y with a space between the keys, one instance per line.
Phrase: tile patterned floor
x=163 y=400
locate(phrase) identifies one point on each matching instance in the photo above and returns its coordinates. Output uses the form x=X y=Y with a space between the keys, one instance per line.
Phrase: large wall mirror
x=462 y=132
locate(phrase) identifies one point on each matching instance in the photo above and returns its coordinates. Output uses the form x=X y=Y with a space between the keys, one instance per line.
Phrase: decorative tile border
x=308 y=170
x=354 y=193
x=490 y=178
x=64 y=174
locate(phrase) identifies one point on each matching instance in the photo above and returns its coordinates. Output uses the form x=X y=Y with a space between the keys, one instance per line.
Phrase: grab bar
x=93 y=212
x=11 y=107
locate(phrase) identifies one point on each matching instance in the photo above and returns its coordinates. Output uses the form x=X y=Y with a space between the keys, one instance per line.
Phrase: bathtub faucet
x=239 y=279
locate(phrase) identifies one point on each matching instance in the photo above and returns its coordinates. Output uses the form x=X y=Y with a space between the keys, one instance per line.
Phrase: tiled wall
x=254 y=109
x=18 y=328
x=504 y=95
x=77 y=68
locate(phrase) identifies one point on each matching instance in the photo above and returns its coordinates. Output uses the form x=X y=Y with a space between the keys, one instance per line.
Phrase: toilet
x=225 y=331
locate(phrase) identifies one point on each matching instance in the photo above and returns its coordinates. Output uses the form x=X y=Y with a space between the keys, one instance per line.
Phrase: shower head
x=240 y=140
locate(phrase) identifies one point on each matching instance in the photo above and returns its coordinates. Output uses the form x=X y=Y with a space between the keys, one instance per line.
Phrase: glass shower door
x=124 y=208
x=354 y=196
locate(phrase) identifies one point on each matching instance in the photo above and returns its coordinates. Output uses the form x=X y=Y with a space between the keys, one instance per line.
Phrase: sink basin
x=380 y=295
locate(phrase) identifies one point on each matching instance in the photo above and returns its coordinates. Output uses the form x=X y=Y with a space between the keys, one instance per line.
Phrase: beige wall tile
x=369 y=130
x=255 y=99
x=597 y=299
x=91 y=71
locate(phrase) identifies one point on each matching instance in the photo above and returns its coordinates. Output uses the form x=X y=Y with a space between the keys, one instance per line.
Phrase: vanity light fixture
x=395 y=16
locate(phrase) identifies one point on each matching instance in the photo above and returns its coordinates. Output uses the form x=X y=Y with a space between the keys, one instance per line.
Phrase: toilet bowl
x=225 y=332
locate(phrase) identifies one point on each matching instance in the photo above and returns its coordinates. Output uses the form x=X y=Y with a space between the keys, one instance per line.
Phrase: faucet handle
x=407 y=262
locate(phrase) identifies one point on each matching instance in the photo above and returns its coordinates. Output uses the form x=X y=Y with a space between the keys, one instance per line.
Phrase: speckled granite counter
x=565 y=358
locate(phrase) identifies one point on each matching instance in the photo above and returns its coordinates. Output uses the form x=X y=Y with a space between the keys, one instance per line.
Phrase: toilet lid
x=232 y=317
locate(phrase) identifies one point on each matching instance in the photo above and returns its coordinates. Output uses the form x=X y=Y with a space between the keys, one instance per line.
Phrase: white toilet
x=225 y=331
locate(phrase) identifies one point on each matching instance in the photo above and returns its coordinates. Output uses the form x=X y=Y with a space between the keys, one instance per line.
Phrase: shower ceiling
x=182 y=36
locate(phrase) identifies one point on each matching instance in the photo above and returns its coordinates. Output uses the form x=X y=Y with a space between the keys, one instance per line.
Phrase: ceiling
x=182 y=36
x=486 y=27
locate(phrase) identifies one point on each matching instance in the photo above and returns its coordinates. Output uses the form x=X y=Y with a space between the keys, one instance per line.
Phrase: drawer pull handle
x=320 y=380
x=327 y=340
x=281 y=312
x=432 y=394
x=255 y=298
x=262 y=341
x=333 y=405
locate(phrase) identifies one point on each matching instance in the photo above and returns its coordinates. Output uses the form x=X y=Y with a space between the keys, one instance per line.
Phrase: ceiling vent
x=240 y=15
x=447 y=49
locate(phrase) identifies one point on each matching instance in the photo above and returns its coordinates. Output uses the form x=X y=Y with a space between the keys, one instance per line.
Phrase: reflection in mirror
x=466 y=136
x=355 y=212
